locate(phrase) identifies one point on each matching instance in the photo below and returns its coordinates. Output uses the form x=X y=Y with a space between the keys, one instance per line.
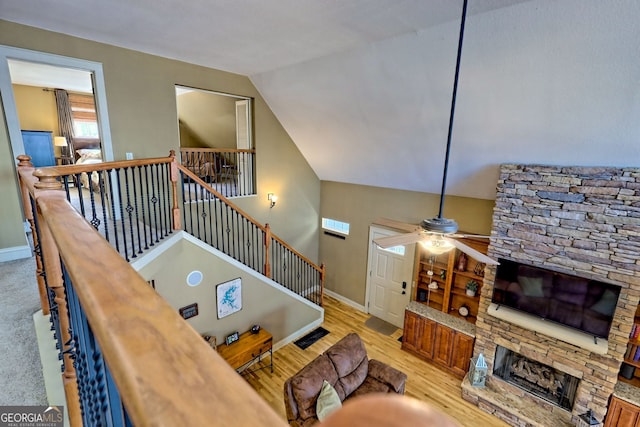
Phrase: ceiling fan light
x=436 y=246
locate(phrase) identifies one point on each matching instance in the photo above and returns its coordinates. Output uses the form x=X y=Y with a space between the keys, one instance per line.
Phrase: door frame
x=9 y=103
x=372 y=246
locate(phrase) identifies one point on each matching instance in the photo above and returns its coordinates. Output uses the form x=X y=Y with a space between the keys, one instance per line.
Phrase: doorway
x=389 y=281
x=216 y=138
x=96 y=75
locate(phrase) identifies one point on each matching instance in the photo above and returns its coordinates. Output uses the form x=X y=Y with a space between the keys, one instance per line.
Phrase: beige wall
x=210 y=117
x=140 y=91
x=279 y=313
x=360 y=205
x=11 y=228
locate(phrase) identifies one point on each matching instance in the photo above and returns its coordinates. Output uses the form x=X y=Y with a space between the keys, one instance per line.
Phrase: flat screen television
x=580 y=303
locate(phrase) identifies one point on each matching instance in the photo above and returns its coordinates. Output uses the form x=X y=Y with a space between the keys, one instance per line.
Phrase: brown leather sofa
x=347 y=368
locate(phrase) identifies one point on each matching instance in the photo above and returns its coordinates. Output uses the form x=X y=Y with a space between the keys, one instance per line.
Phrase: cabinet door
x=622 y=414
x=411 y=331
x=461 y=353
x=444 y=344
x=39 y=146
x=426 y=346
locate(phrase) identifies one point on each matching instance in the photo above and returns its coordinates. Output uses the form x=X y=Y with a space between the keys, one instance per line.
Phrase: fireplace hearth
x=545 y=382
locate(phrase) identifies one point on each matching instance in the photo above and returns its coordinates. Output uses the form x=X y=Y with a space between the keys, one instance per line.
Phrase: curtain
x=65 y=119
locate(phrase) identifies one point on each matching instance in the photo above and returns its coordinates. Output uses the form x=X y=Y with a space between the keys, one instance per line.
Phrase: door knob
x=404 y=285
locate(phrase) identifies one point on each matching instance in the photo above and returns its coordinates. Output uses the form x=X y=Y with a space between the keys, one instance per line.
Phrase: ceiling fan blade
x=478 y=236
x=399 y=240
x=392 y=223
x=470 y=236
x=479 y=256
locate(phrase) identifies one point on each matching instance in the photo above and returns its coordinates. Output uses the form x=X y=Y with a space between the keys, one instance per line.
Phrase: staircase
x=114 y=333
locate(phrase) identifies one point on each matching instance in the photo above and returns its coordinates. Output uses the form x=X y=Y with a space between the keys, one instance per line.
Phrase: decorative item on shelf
x=211 y=339
x=433 y=285
x=479 y=269
x=478 y=371
x=232 y=338
x=443 y=274
x=462 y=262
x=463 y=311
x=587 y=420
x=472 y=287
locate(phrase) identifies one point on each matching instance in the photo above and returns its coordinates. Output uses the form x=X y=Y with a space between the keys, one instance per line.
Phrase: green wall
x=140 y=92
x=360 y=205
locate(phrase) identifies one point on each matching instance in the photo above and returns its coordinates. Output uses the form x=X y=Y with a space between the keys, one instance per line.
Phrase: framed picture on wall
x=229 y=297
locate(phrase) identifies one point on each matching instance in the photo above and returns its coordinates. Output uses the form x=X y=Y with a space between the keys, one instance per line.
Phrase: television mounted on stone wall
x=583 y=304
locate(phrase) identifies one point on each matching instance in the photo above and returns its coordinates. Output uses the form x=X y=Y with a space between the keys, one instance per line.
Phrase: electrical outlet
x=129 y=156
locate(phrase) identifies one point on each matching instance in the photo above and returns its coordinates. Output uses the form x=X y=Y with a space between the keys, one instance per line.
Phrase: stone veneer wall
x=578 y=220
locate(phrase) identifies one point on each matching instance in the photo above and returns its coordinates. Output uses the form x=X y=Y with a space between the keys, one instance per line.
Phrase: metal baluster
x=155 y=186
x=145 y=221
x=113 y=209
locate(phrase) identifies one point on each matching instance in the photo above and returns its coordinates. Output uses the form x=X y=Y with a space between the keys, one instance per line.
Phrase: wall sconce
x=272 y=200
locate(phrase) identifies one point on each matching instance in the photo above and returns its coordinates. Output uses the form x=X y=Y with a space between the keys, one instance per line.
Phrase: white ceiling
x=364 y=86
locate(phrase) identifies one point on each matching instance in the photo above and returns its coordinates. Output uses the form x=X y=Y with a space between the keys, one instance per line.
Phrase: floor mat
x=311 y=337
x=379 y=325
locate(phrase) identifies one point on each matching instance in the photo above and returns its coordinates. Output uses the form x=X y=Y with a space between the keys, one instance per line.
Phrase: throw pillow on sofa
x=328 y=401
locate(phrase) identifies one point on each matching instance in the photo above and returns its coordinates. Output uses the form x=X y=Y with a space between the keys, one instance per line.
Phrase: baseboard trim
x=15 y=252
x=345 y=300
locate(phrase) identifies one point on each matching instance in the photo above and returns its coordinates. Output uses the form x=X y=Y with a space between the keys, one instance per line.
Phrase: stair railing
x=216 y=220
x=128 y=358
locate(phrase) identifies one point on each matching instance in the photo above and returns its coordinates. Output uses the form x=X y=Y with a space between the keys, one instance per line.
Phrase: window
x=335 y=226
x=399 y=250
x=83 y=112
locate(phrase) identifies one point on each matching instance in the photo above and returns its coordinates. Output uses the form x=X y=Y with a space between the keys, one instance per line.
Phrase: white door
x=243 y=141
x=389 y=280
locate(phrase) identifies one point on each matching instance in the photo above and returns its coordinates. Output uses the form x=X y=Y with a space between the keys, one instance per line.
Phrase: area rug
x=379 y=325
x=311 y=338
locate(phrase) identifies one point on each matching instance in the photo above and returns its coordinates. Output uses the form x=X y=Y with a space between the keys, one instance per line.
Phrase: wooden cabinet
x=437 y=343
x=249 y=348
x=461 y=354
x=39 y=146
x=447 y=292
x=418 y=334
x=622 y=414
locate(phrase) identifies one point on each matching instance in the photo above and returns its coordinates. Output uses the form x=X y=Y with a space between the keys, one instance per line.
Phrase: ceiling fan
x=438 y=235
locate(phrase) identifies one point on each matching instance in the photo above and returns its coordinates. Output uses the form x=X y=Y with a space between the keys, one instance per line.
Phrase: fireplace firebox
x=545 y=382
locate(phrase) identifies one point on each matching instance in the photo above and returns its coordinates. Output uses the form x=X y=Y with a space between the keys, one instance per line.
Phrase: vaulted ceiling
x=363 y=87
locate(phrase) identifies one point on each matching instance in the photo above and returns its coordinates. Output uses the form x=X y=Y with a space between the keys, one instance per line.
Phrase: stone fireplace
x=583 y=221
x=545 y=382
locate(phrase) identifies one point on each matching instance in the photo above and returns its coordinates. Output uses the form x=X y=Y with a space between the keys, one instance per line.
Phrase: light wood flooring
x=425 y=382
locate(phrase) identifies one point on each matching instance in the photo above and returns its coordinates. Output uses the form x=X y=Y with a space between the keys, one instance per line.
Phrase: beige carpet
x=379 y=325
x=21 y=379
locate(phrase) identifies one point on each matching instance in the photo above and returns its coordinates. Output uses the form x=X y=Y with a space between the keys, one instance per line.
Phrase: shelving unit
x=451 y=292
x=633 y=348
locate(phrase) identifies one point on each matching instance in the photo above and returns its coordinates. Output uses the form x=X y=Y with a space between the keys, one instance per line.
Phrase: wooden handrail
x=217 y=150
x=93 y=167
x=165 y=372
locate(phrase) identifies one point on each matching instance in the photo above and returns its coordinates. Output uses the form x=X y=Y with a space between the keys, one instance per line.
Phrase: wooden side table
x=247 y=350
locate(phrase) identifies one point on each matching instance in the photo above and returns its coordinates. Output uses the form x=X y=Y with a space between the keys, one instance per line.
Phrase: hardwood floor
x=425 y=382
